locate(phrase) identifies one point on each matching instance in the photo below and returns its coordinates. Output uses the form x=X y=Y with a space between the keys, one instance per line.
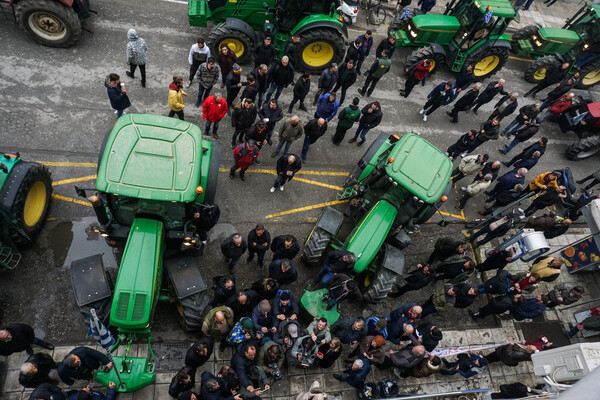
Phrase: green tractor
x=25 y=193
x=469 y=32
x=242 y=25
x=398 y=183
x=576 y=42
x=154 y=173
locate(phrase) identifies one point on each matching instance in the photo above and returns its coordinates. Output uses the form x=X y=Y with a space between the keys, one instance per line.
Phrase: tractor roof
x=436 y=22
x=501 y=8
x=420 y=167
x=152 y=157
x=559 y=35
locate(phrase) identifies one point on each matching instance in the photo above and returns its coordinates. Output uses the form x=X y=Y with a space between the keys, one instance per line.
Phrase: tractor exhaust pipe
x=99 y=209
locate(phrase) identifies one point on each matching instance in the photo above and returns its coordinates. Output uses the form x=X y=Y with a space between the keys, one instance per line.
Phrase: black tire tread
x=68 y=16
x=585 y=144
x=422 y=54
x=331 y=36
x=195 y=308
x=584 y=71
x=316 y=245
x=381 y=285
x=537 y=64
x=220 y=32
x=525 y=32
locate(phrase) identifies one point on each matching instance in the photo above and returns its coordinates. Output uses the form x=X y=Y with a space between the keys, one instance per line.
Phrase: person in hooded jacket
x=214 y=109
x=257 y=133
x=117 y=94
x=136 y=55
x=176 y=94
x=233 y=84
x=301 y=89
x=523 y=134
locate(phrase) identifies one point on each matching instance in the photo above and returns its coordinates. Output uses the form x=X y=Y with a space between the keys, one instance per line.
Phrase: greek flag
x=99 y=331
x=405 y=13
x=488 y=16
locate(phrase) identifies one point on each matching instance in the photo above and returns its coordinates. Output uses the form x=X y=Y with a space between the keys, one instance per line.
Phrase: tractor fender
x=323 y=24
x=213 y=170
x=393 y=259
x=9 y=190
x=330 y=220
x=241 y=26
x=438 y=49
x=492 y=43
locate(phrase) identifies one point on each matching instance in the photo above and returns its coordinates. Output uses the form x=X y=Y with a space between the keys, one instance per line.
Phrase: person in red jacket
x=244 y=155
x=558 y=106
x=214 y=109
x=416 y=73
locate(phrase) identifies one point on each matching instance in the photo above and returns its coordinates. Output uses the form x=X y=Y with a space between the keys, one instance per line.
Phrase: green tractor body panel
x=9 y=162
x=368 y=236
x=501 y=8
x=317 y=18
x=314 y=305
x=134 y=372
x=139 y=277
x=558 y=35
x=155 y=158
x=547 y=41
x=198 y=13
x=251 y=12
x=430 y=28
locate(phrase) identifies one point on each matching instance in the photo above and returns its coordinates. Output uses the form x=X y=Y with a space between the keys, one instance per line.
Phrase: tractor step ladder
x=346 y=193
x=9 y=258
x=459 y=60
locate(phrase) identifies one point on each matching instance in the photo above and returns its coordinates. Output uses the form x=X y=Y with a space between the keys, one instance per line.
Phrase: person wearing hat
x=244 y=155
x=525 y=133
x=264 y=52
x=270 y=115
x=233 y=84
x=505 y=106
x=288 y=332
x=87 y=393
x=469 y=165
x=337 y=261
x=284 y=306
x=377 y=326
x=416 y=279
x=439 y=96
x=214 y=109
x=467 y=364
x=341 y=288
x=264 y=319
x=242 y=332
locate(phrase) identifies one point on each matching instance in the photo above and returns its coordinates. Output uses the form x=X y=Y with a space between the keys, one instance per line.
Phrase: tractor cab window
x=473 y=27
x=290 y=12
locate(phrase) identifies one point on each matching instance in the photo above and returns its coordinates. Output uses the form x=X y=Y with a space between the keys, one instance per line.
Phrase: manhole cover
x=169 y=356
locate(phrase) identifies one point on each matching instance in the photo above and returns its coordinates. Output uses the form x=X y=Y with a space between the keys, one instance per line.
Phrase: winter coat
x=464 y=79
x=118 y=99
x=591 y=323
x=280 y=75
x=263 y=54
x=419 y=278
x=510 y=106
x=259 y=240
x=274 y=115
x=136 y=48
x=424 y=369
x=301 y=88
x=22 y=338
x=289 y=132
x=365 y=49
x=308 y=355
x=195 y=360
x=231 y=83
x=243 y=118
x=446 y=246
x=558 y=91
x=560 y=105
x=353 y=53
x=527 y=111
x=207 y=77
x=380 y=67
x=175 y=97
x=291 y=50
x=556 y=230
x=488 y=169
x=48 y=391
x=366 y=346
x=226 y=62
x=90 y=360
x=356 y=378
x=540 y=223
x=419 y=70
x=323 y=334
x=528 y=310
x=426 y=5
x=250 y=92
x=371 y=323
x=368 y=119
x=279 y=250
x=541 y=180
x=348 y=116
x=261 y=320
x=478 y=187
x=508 y=181
x=467 y=367
x=490 y=132
x=527 y=132
x=282 y=333
x=555 y=74
x=490 y=92
x=451 y=267
x=469 y=165
x=528 y=163
x=440 y=95
x=44 y=364
x=346 y=77
x=529 y=150
x=241 y=364
x=325 y=108
x=283 y=166
x=441 y=300
x=496 y=260
x=405 y=358
x=177 y=387
x=243 y=310
x=464 y=103
x=343 y=329
x=564 y=290
x=500 y=304
x=329 y=355
x=385 y=45
x=264 y=359
x=261 y=79
x=548 y=199
x=428 y=341
x=327 y=79
x=110 y=395
x=257 y=134
x=229 y=249
x=218 y=394
x=203 y=53
x=288 y=310
x=313 y=130
x=211 y=324
x=498 y=284
x=238 y=334
x=512 y=354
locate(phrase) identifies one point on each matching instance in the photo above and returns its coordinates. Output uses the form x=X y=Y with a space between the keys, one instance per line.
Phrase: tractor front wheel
x=50 y=23
x=319 y=47
x=584 y=148
x=488 y=62
x=381 y=285
x=536 y=71
x=315 y=245
x=525 y=33
x=590 y=76
x=438 y=59
x=191 y=311
x=238 y=42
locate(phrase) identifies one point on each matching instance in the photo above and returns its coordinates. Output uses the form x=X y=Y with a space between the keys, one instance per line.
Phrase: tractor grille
x=123 y=305
x=139 y=307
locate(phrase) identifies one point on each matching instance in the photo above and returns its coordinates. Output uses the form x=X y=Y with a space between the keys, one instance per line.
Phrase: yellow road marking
x=73 y=180
x=302 y=172
x=317 y=183
x=70 y=200
x=68 y=164
x=454 y=215
x=520 y=59
x=307 y=208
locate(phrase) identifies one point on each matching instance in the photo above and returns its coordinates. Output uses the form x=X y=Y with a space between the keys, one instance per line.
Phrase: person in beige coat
x=314 y=393
x=470 y=165
x=289 y=132
x=474 y=189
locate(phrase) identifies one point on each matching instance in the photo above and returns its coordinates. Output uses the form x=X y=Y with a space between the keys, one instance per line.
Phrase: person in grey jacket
x=564 y=294
x=136 y=55
x=208 y=74
x=349 y=330
x=406 y=358
x=505 y=106
x=303 y=353
x=289 y=132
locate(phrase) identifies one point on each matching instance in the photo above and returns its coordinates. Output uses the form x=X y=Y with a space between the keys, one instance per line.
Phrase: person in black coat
x=233 y=248
x=551 y=197
x=270 y=115
x=35 y=370
x=429 y=335
x=283 y=271
x=346 y=77
x=313 y=130
x=280 y=75
x=242 y=303
x=498 y=305
x=453 y=267
x=242 y=361
x=224 y=287
x=291 y=49
x=491 y=90
x=464 y=79
x=522 y=135
x=261 y=73
x=48 y=391
x=371 y=117
x=338 y=261
x=558 y=229
x=18 y=337
x=251 y=88
x=259 y=240
x=183 y=381
x=464 y=103
x=234 y=85
x=354 y=50
x=81 y=363
x=507 y=182
x=242 y=119
x=504 y=198
x=417 y=279
x=329 y=353
x=287 y=167
x=439 y=96
x=199 y=353
x=504 y=107
x=264 y=52
x=491 y=167
x=526 y=113
x=561 y=89
x=285 y=246
x=388 y=44
x=446 y=247
x=498 y=259
x=554 y=74
x=301 y=89
x=465 y=144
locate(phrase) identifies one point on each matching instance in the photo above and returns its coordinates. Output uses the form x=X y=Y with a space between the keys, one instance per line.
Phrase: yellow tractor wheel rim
x=487 y=65
x=35 y=203
x=431 y=64
x=592 y=77
x=234 y=45
x=540 y=74
x=318 y=54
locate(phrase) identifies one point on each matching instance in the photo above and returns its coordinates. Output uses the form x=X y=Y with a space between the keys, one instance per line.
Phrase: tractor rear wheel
x=536 y=71
x=590 y=76
x=315 y=245
x=398 y=23
x=423 y=53
x=584 y=148
x=488 y=62
x=238 y=42
x=50 y=23
x=318 y=49
x=381 y=285
x=191 y=311
x=525 y=33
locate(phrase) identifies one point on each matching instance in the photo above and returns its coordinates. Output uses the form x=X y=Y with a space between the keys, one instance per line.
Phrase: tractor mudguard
x=330 y=220
x=10 y=187
x=322 y=24
x=393 y=259
x=213 y=170
x=90 y=284
x=185 y=276
x=242 y=26
x=438 y=49
x=491 y=43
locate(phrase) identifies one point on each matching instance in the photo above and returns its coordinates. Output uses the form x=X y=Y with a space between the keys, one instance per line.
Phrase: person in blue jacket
x=327 y=106
x=355 y=373
x=80 y=364
x=87 y=393
x=530 y=309
x=117 y=94
x=468 y=365
x=439 y=96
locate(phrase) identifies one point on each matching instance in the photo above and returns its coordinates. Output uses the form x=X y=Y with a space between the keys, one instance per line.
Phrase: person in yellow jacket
x=548 y=268
x=541 y=182
x=176 y=94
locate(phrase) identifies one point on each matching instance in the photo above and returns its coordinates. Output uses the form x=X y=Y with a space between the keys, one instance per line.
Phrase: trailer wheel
x=318 y=48
x=536 y=71
x=381 y=285
x=423 y=53
x=584 y=148
x=590 y=76
x=50 y=23
x=191 y=311
x=488 y=62
x=315 y=245
x=238 y=42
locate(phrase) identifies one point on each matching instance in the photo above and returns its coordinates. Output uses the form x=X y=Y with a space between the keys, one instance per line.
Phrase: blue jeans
x=515 y=125
x=280 y=181
x=325 y=275
x=208 y=124
x=273 y=88
x=481 y=288
x=261 y=96
x=280 y=145
x=203 y=93
x=510 y=146
x=307 y=142
x=362 y=131
x=119 y=113
x=233 y=261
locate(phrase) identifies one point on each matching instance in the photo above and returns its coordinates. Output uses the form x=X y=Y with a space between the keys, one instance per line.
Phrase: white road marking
x=176 y=1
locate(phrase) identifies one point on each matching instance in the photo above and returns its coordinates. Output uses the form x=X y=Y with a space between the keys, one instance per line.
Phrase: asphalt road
x=54 y=109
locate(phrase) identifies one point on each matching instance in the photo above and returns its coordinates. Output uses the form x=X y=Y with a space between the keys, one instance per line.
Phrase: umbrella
x=102 y=336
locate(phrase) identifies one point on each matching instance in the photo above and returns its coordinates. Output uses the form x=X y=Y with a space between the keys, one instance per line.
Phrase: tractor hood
x=436 y=22
x=557 y=35
x=152 y=157
x=501 y=8
x=369 y=235
x=420 y=167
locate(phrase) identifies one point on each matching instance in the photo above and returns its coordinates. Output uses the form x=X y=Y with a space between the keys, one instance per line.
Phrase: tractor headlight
x=412 y=31
x=586 y=46
x=537 y=42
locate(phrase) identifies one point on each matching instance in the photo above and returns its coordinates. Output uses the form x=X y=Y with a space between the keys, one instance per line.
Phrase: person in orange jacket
x=214 y=109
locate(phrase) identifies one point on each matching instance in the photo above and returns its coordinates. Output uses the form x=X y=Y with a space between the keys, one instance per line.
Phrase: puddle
x=72 y=240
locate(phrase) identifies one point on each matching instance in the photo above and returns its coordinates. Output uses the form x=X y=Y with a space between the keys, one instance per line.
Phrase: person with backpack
x=347 y=117
x=244 y=155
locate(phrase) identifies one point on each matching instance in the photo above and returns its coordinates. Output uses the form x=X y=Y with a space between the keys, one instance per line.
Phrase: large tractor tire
x=381 y=285
x=238 y=42
x=315 y=245
x=319 y=48
x=423 y=53
x=525 y=32
x=398 y=23
x=360 y=166
x=536 y=71
x=590 y=76
x=191 y=311
x=584 y=148
x=30 y=203
x=490 y=61
x=49 y=22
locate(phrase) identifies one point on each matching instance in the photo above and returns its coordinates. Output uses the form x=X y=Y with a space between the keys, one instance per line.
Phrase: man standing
x=301 y=89
x=280 y=75
x=258 y=243
x=214 y=109
x=244 y=155
x=356 y=373
x=208 y=75
x=242 y=118
x=80 y=364
x=507 y=182
x=465 y=144
x=270 y=116
x=417 y=279
x=199 y=53
x=117 y=94
x=464 y=79
x=539 y=146
x=554 y=74
x=560 y=90
x=261 y=73
x=233 y=248
x=527 y=132
x=251 y=89
x=526 y=114
x=136 y=55
x=492 y=89
x=506 y=106
x=338 y=261
x=558 y=106
x=464 y=103
x=365 y=48
x=176 y=94
x=551 y=197
x=291 y=47
x=264 y=52
x=233 y=84
x=376 y=71
x=354 y=50
x=18 y=337
x=289 y=132
x=388 y=44
x=287 y=166
x=217 y=324
x=416 y=73
x=371 y=117
x=327 y=80
x=499 y=305
x=347 y=117
x=439 y=96
x=285 y=246
x=346 y=77
x=313 y=130
x=490 y=130
x=327 y=106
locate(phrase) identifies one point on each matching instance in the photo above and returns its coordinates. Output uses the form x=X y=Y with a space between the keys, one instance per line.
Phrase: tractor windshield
x=473 y=27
